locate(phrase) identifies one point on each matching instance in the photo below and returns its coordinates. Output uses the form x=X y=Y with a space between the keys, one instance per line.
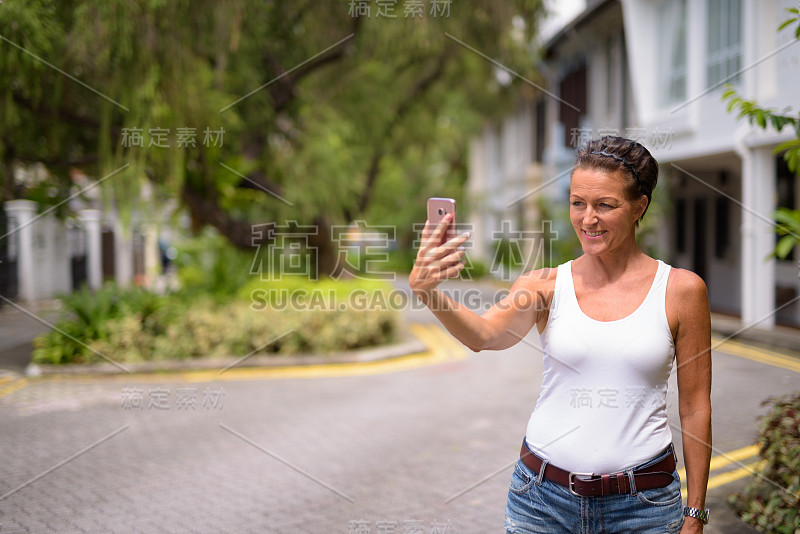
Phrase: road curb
x=408 y=344
x=780 y=337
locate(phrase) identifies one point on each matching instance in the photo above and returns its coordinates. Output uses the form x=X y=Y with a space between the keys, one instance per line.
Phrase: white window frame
x=723 y=42
x=672 y=52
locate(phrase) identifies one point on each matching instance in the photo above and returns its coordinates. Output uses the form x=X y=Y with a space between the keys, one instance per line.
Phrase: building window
x=722 y=223
x=624 y=79
x=573 y=102
x=724 y=42
x=672 y=50
x=611 y=75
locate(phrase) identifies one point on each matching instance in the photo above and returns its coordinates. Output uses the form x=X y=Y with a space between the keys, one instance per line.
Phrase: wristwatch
x=697 y=513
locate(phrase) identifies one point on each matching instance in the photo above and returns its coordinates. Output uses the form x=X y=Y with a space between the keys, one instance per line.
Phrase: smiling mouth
x=594 y=234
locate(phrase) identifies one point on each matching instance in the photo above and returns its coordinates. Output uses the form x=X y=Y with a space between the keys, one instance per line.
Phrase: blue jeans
x=544 y=507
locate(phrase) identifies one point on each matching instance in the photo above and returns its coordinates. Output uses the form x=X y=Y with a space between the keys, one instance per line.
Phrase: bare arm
x=500 y=327
x=693 y=353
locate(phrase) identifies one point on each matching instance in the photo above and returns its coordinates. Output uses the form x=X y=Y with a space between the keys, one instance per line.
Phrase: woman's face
x=600 y=211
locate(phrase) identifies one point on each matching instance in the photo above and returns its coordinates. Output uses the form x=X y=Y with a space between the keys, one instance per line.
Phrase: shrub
x=273 y=293
x=209 y=266
x=474 y=269
x=771 y=502
x=236 y=330
x=89 y=316
x=134 y=325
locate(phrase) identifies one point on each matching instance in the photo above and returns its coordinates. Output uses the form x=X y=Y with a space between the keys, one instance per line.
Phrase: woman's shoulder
x=684 y=283
x=544 y=275
x=686 y=298
x=538 y=281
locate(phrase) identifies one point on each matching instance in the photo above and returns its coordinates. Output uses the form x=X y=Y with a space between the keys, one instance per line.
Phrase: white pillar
x=123 y=252
x=152 y=256
x=94 y=247
x=758 y=237
x=23 y=212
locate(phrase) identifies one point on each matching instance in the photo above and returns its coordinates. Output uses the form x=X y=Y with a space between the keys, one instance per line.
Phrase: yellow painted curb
x=16 y=385
x=730 y=476
x=726 y=458
x=722 y=460
x=756 y=354
x=436 y=339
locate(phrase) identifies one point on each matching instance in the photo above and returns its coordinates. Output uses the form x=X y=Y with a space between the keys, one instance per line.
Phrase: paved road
x=373 y=450
x=427 y=449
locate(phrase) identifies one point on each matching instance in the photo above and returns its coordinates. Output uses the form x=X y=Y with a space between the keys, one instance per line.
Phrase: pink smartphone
x=437 y=209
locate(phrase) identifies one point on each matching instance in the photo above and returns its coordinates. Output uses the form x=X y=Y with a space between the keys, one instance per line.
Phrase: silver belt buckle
x=571 y=481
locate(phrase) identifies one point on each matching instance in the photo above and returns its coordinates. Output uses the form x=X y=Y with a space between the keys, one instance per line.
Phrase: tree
x=788 y=221
x=343 y=117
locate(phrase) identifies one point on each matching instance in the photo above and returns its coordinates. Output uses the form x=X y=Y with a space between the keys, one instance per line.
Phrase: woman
x=597 y=454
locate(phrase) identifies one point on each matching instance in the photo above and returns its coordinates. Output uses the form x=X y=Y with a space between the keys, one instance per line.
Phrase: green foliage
x=566 y=245
x=401 y=260
x=474 y=269
x=208 y=266
x=788 y=226
x=366 y=129
x=771 y=502
x=768 y=117
x=207 y=330
x=136 y=325
x=331 y=292
x=791 y=20
x=506 y=254
x=88 y=316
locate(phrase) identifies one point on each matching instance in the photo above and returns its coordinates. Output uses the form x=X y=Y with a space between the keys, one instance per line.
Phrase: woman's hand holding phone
x=437 y=259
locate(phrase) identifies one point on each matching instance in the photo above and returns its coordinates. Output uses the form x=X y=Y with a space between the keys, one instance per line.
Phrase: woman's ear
x=642 y=204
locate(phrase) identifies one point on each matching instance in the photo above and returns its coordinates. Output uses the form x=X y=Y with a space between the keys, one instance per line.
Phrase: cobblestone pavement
x=423 y=450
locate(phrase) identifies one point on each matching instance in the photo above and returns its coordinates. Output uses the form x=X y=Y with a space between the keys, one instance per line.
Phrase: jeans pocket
x=675 y=527
x=522 y=478
x=666 y=496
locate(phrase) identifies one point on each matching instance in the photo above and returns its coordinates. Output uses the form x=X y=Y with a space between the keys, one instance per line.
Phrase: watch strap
x=697 y=513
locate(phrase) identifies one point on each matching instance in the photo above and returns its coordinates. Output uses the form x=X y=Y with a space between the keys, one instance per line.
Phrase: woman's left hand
x=692 y=526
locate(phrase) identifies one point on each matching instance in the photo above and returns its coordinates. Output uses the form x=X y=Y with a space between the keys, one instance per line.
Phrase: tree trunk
x=327 y=264
x=205 y=210
x=7 y=170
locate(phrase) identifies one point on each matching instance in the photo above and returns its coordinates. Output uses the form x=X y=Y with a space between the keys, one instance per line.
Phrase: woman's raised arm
x=500 y=327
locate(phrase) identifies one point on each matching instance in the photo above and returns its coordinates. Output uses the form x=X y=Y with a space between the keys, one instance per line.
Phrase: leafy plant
x=136 y=325
x=88 y=316
x=771 y=502
x=209 y=266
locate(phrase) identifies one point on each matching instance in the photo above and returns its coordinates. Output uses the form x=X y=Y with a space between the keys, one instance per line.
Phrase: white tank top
x=602 y=407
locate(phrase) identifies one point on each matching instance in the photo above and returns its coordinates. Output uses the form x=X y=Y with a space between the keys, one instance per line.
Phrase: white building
x=654 y=70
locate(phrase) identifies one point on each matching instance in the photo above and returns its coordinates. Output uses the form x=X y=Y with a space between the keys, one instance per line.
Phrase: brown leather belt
x=653 y=476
